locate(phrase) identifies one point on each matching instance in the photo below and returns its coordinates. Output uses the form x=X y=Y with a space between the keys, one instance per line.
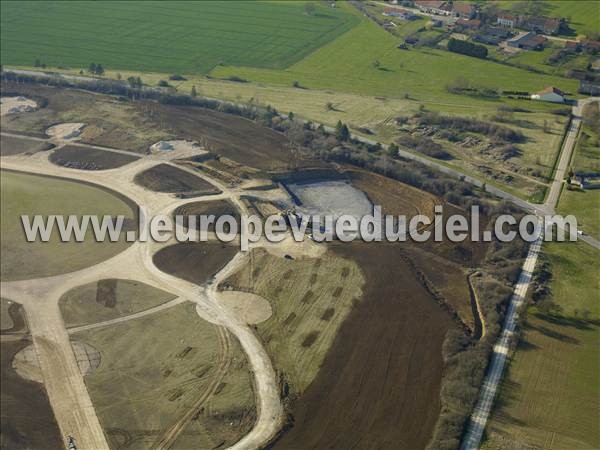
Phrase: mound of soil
x=27 y=418
x=194 y=262
x=380 y=381
x=217 y=208
x=166 y=178
x=87 y=158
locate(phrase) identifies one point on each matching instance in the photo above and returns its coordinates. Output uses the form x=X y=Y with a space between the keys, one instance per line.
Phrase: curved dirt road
x=64 y=383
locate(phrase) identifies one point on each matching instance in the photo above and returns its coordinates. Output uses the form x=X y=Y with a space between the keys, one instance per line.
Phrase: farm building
x=507 y=20
x=550 y=94
x=589 y=87
x=572 y=46
x=591 y=46
x=527 y=41
x=468 y=24
x=540 y=24
x=465 y=10
x=434 y=7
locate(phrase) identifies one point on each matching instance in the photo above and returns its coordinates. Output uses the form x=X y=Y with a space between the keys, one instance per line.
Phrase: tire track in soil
x=170 y=436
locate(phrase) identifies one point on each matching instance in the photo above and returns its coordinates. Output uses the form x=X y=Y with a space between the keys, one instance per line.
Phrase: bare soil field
x=233 y=137
x=109 y=121
x=448 y=278
x=148 y=381
x=393 y=197
x=379 y=384
x=194 y=262
x=216 y=208
x=165 y=178
x=86 y=158
x=10 y=145
x=108 y=299
x=136 y=126
x=27 y=418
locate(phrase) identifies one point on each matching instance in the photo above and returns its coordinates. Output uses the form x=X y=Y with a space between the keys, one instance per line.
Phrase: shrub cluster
x=467 y=48
x=425 y=145
x=492 y=130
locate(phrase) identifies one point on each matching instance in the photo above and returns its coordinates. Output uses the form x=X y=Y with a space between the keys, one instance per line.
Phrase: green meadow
x=348 y=64
x=549 y=397
x=172 y=36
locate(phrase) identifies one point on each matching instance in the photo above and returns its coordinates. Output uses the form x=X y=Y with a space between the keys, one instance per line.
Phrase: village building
x=527 y=41
x=540 y=24
x=572 y=46
x=434 y=7
x=468 y=24
x=466 y=10
x=507 y=20
x=550 y=94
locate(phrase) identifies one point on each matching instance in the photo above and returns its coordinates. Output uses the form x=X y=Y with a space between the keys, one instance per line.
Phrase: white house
x=550 y=94
x=506 y=20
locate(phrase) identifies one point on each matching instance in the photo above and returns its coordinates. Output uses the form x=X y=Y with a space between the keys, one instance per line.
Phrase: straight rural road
x=492 y=379
x=495 y=370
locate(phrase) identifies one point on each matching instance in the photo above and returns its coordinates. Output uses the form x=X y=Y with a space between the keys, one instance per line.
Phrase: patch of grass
x=549 y=397
x=24 y=194
x=300 y=292
x=138 y=393
x=585 y=205
x=177 y=37
x=108 y=299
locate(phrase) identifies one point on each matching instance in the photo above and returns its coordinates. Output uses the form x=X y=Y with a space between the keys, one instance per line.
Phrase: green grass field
x=174 y=36
x=549 y=398
x=585 y=205
x=24 y=194
x=346 y=65
x=108 y=299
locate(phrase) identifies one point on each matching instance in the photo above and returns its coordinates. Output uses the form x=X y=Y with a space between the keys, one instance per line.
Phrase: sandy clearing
x=65 y=131
x=27 y=364
x=177 y=149
x=14 y=105
x=247 y=307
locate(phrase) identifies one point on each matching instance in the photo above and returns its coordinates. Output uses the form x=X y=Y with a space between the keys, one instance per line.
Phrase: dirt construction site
x=165 y=345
